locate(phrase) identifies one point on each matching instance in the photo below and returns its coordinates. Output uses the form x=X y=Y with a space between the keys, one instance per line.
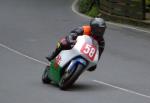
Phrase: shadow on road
x=82 y=87
x=86 y=87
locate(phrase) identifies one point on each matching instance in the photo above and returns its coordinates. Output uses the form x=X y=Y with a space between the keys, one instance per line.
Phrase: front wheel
x=45 y=78
x=68 y=79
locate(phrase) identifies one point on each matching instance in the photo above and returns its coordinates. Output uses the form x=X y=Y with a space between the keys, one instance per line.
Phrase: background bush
x=147 y=5
x=84 y=5
x=94 y=11
x=87 y=7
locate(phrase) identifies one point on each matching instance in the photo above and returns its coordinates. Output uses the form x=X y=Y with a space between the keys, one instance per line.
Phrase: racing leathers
x=68 y=41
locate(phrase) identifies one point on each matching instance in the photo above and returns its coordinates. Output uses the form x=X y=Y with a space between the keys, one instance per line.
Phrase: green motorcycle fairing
x=54 y=72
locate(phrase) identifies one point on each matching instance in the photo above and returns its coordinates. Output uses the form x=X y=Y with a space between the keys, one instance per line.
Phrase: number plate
x=89 y=51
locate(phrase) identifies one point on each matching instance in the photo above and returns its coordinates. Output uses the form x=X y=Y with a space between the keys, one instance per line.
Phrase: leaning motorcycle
x=68 y=65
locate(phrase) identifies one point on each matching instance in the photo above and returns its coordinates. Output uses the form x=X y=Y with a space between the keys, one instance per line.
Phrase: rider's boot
x=54 y=54
x=62 y=44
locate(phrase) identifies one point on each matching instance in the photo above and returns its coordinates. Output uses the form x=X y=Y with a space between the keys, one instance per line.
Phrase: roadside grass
x=88 y=8
x=93 y=12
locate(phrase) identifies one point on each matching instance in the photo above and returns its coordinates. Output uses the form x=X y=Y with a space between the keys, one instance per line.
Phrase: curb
x=74 y=8
x=141 y=29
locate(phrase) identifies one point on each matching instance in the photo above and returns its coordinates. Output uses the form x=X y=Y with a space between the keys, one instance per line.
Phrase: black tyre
x=68 y=80
x=45 y=78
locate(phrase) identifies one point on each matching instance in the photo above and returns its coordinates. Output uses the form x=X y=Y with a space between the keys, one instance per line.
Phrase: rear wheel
x=68 y=79
x=45 y=78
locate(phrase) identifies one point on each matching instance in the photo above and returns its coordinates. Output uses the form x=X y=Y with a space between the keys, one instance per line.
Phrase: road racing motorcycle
x=68 y=65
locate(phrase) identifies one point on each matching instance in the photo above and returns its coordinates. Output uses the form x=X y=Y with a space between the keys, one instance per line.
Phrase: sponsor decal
x=57 y=62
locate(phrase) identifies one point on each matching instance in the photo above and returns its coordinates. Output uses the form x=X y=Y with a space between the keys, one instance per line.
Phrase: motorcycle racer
x=95 y=29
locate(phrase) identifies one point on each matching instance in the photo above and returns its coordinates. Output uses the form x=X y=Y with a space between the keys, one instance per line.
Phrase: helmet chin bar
x=97 y=34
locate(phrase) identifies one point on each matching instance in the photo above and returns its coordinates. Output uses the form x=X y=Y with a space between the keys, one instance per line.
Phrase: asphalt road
x=33 y=27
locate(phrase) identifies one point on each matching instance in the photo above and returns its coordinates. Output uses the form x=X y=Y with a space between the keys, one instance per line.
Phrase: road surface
x=29 y=30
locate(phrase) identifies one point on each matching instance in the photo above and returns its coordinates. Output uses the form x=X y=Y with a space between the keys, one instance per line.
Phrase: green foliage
x=147 y=2
x=84 y=5
x=147 y=5
x=93 y=12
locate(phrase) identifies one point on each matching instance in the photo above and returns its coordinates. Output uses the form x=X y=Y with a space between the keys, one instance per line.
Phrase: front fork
x=74 y=63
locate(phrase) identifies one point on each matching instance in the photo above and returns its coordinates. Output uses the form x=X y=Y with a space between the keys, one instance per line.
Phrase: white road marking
x=129 y=27
x=100 y=82
x=73 y=7
x=19 y=53
x=122 y=89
